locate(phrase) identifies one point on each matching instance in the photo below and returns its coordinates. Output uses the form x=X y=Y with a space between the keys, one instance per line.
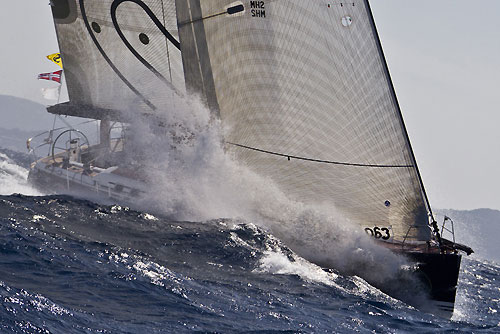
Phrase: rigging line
x=110 y=63
x=65 y=122
x=321 y=161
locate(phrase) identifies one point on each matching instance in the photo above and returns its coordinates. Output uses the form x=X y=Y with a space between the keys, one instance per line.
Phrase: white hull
x=111 y=184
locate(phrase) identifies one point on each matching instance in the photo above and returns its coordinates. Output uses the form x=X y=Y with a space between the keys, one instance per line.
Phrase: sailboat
x=302 y=89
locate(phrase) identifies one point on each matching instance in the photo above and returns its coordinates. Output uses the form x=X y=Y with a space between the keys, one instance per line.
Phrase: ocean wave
x=70 y=265
x=13 y=178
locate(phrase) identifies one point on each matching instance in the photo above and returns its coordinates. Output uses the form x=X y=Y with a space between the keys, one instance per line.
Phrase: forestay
x=306 y=99
x=118 y=55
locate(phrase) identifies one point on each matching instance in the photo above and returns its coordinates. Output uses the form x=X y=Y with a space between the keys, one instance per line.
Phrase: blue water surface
x=73 y=266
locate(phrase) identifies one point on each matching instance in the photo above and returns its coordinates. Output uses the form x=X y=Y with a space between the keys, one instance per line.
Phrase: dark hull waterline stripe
x=320 y=161
x=110 y=63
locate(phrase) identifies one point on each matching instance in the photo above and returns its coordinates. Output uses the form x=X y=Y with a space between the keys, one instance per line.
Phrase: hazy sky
x=444 y=58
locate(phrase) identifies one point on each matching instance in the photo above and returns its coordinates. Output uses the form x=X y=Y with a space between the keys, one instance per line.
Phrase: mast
x=195 y=56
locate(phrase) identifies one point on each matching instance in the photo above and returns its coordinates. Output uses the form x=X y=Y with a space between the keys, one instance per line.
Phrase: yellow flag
x=56 y=58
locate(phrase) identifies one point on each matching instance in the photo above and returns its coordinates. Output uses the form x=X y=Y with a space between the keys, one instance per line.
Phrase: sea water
x=75 y=266
x=212 y=248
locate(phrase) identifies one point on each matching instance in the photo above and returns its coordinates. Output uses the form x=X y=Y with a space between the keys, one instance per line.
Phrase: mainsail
x=305 y=98
x=118 y=54
x=301 y=87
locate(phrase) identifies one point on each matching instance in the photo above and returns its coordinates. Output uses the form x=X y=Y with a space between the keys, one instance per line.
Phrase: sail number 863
x=383 y=233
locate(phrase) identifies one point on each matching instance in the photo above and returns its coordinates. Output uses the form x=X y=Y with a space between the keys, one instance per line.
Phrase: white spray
x=13 y=178
x=192 y=178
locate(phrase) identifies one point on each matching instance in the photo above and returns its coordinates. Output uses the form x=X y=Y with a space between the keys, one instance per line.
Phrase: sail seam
x=318 y=160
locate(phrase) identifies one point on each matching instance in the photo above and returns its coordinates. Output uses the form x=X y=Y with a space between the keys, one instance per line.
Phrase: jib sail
x=304 y=94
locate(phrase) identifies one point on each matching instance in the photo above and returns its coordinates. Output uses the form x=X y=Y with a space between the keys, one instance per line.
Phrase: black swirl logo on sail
x=108 y=60
x=144 y=38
